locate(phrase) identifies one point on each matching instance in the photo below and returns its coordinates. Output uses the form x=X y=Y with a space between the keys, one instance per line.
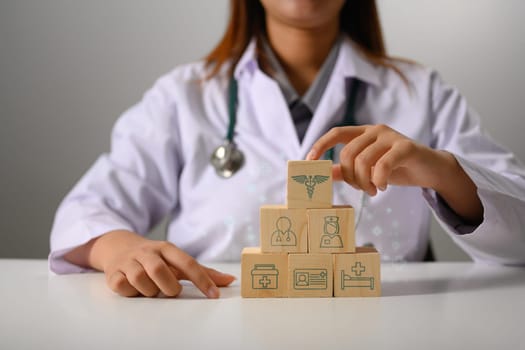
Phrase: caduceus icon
x=310 y=181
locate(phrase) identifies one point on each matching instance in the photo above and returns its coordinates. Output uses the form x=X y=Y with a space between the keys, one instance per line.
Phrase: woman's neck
x=300 y=51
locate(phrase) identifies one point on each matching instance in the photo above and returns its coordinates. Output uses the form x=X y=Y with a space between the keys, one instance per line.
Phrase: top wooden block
x=309 y=184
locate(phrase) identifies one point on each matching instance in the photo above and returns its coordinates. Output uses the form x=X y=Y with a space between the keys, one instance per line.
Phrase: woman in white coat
x=416 y=148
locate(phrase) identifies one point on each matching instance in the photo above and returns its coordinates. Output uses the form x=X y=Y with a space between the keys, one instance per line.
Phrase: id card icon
x=310 y=279
x=265 y=276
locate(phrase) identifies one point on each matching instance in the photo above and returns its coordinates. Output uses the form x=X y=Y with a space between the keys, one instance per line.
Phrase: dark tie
x=301 y=116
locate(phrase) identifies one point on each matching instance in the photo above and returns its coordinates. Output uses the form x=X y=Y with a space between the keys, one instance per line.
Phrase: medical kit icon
x=265 y=276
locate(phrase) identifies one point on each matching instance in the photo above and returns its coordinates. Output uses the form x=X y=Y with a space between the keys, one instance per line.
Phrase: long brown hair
x=358 y=19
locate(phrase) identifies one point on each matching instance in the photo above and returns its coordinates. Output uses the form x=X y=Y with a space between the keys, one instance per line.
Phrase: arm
x=475 y=188
x=376 y=156
x=138 y=266
x=100 y=223
x=499 y=178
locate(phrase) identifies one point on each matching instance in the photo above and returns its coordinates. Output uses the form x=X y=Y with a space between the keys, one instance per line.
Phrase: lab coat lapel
x=350 y=64
x=273 y=115
x=329 y=111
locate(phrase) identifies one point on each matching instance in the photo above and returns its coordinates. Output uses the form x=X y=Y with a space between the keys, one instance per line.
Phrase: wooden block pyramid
x=308 y=245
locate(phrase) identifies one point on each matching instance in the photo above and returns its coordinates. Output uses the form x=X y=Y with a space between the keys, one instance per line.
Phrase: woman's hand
x=135 y=266
x=375 y=156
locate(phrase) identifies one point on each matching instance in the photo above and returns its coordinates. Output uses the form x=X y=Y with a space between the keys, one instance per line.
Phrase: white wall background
x=68 y=69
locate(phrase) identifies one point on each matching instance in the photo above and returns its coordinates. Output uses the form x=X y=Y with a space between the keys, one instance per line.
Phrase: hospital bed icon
x=348 y=281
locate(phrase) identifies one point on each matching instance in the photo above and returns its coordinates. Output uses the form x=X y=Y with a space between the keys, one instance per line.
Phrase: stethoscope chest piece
x=227 y=159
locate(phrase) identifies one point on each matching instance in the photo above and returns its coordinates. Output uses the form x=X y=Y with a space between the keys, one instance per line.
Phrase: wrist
x=109 y=244
x=457 y=189
x=443 y=167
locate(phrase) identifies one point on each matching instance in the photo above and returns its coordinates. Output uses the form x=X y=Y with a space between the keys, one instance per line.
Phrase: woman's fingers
x=221 y=279
x=165 y=277
x=337 y=173
x=139 y=279
x=390 y=161
x=342 y=134
x=372 y=157
x=132 y=281
x=349 y=153
x=190 y=268
x=161 y=274
x=365 y=162
x=119 y=283
x=142 y=266
x=356 y=157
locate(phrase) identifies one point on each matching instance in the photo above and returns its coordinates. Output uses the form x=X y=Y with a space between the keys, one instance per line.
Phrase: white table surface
x=426 y=305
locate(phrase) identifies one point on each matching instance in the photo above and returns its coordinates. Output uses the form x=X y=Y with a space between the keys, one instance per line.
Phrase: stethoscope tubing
x=227 y=159
x=349 y=116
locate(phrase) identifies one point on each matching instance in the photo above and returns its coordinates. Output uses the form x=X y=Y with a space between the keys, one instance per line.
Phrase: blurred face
x=304 y=14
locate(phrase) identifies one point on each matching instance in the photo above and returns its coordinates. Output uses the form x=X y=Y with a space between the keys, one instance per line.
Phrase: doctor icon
x=283 y=235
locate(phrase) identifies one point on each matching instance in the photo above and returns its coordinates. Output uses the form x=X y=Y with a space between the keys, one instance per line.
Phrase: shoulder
x=426 y=82
x=185 y=87
x=412 y=79
x=195 y=75
x=389 y=75
x=185 y=83
x=400 y=72
x=186 y=73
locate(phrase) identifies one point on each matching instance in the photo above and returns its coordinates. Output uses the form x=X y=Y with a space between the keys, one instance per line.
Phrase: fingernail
x=311 y=155
x=213 y=293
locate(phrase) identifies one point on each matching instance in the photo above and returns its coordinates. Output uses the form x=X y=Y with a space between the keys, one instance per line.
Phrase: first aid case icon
x=265 y=276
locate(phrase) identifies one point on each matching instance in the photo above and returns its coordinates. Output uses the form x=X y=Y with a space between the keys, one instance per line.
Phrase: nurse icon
x=331 y=237
x=283 y=235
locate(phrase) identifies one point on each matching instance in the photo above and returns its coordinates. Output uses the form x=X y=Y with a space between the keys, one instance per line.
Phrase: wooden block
x=283 y=229
x=309 y=184
x=357 y=274
x=263 y=275
x=331 y=230
x=310 y=275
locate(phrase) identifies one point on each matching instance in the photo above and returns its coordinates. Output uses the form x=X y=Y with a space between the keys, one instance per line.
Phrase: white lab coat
x=159 y=165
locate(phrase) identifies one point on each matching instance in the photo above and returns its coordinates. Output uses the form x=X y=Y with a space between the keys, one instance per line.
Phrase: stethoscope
x=228 y=159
